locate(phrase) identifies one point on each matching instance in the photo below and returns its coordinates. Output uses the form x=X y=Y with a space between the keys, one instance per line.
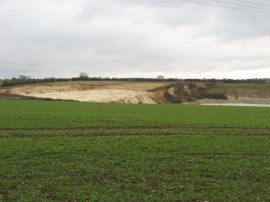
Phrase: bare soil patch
x=92 y=91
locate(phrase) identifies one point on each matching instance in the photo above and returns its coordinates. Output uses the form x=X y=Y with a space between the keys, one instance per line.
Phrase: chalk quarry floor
x=242 y=101
x=119 y=92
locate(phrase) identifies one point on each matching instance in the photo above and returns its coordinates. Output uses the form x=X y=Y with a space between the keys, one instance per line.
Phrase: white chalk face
x=133 y=38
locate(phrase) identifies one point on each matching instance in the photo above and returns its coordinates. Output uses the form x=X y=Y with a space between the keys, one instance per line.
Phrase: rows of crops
x=70 y=151
x=39 y=118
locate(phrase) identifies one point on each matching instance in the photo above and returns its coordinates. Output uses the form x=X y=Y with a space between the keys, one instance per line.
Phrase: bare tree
x=23 y=77
x=83 y=75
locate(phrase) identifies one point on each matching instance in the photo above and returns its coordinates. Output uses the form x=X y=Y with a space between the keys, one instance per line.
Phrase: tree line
x=21 y=80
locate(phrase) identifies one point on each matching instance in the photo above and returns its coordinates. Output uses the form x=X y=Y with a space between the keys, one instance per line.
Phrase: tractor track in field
x=131 y=136
x=132 y=128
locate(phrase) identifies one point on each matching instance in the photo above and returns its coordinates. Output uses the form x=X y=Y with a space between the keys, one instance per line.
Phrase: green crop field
x=71 y=151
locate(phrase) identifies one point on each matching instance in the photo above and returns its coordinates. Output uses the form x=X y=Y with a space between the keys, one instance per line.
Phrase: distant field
x=71 y=151
x=243 y=89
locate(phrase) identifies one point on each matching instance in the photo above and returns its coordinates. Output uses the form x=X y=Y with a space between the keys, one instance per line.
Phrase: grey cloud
x=130 y=38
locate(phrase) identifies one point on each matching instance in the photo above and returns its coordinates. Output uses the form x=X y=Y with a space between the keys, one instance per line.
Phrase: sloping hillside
x=204 y=93
x=141 y=92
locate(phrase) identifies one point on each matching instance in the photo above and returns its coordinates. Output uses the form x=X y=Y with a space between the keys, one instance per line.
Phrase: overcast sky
x=132 y=38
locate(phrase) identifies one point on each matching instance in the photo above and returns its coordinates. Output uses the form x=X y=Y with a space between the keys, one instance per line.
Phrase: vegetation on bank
x=189 y=92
